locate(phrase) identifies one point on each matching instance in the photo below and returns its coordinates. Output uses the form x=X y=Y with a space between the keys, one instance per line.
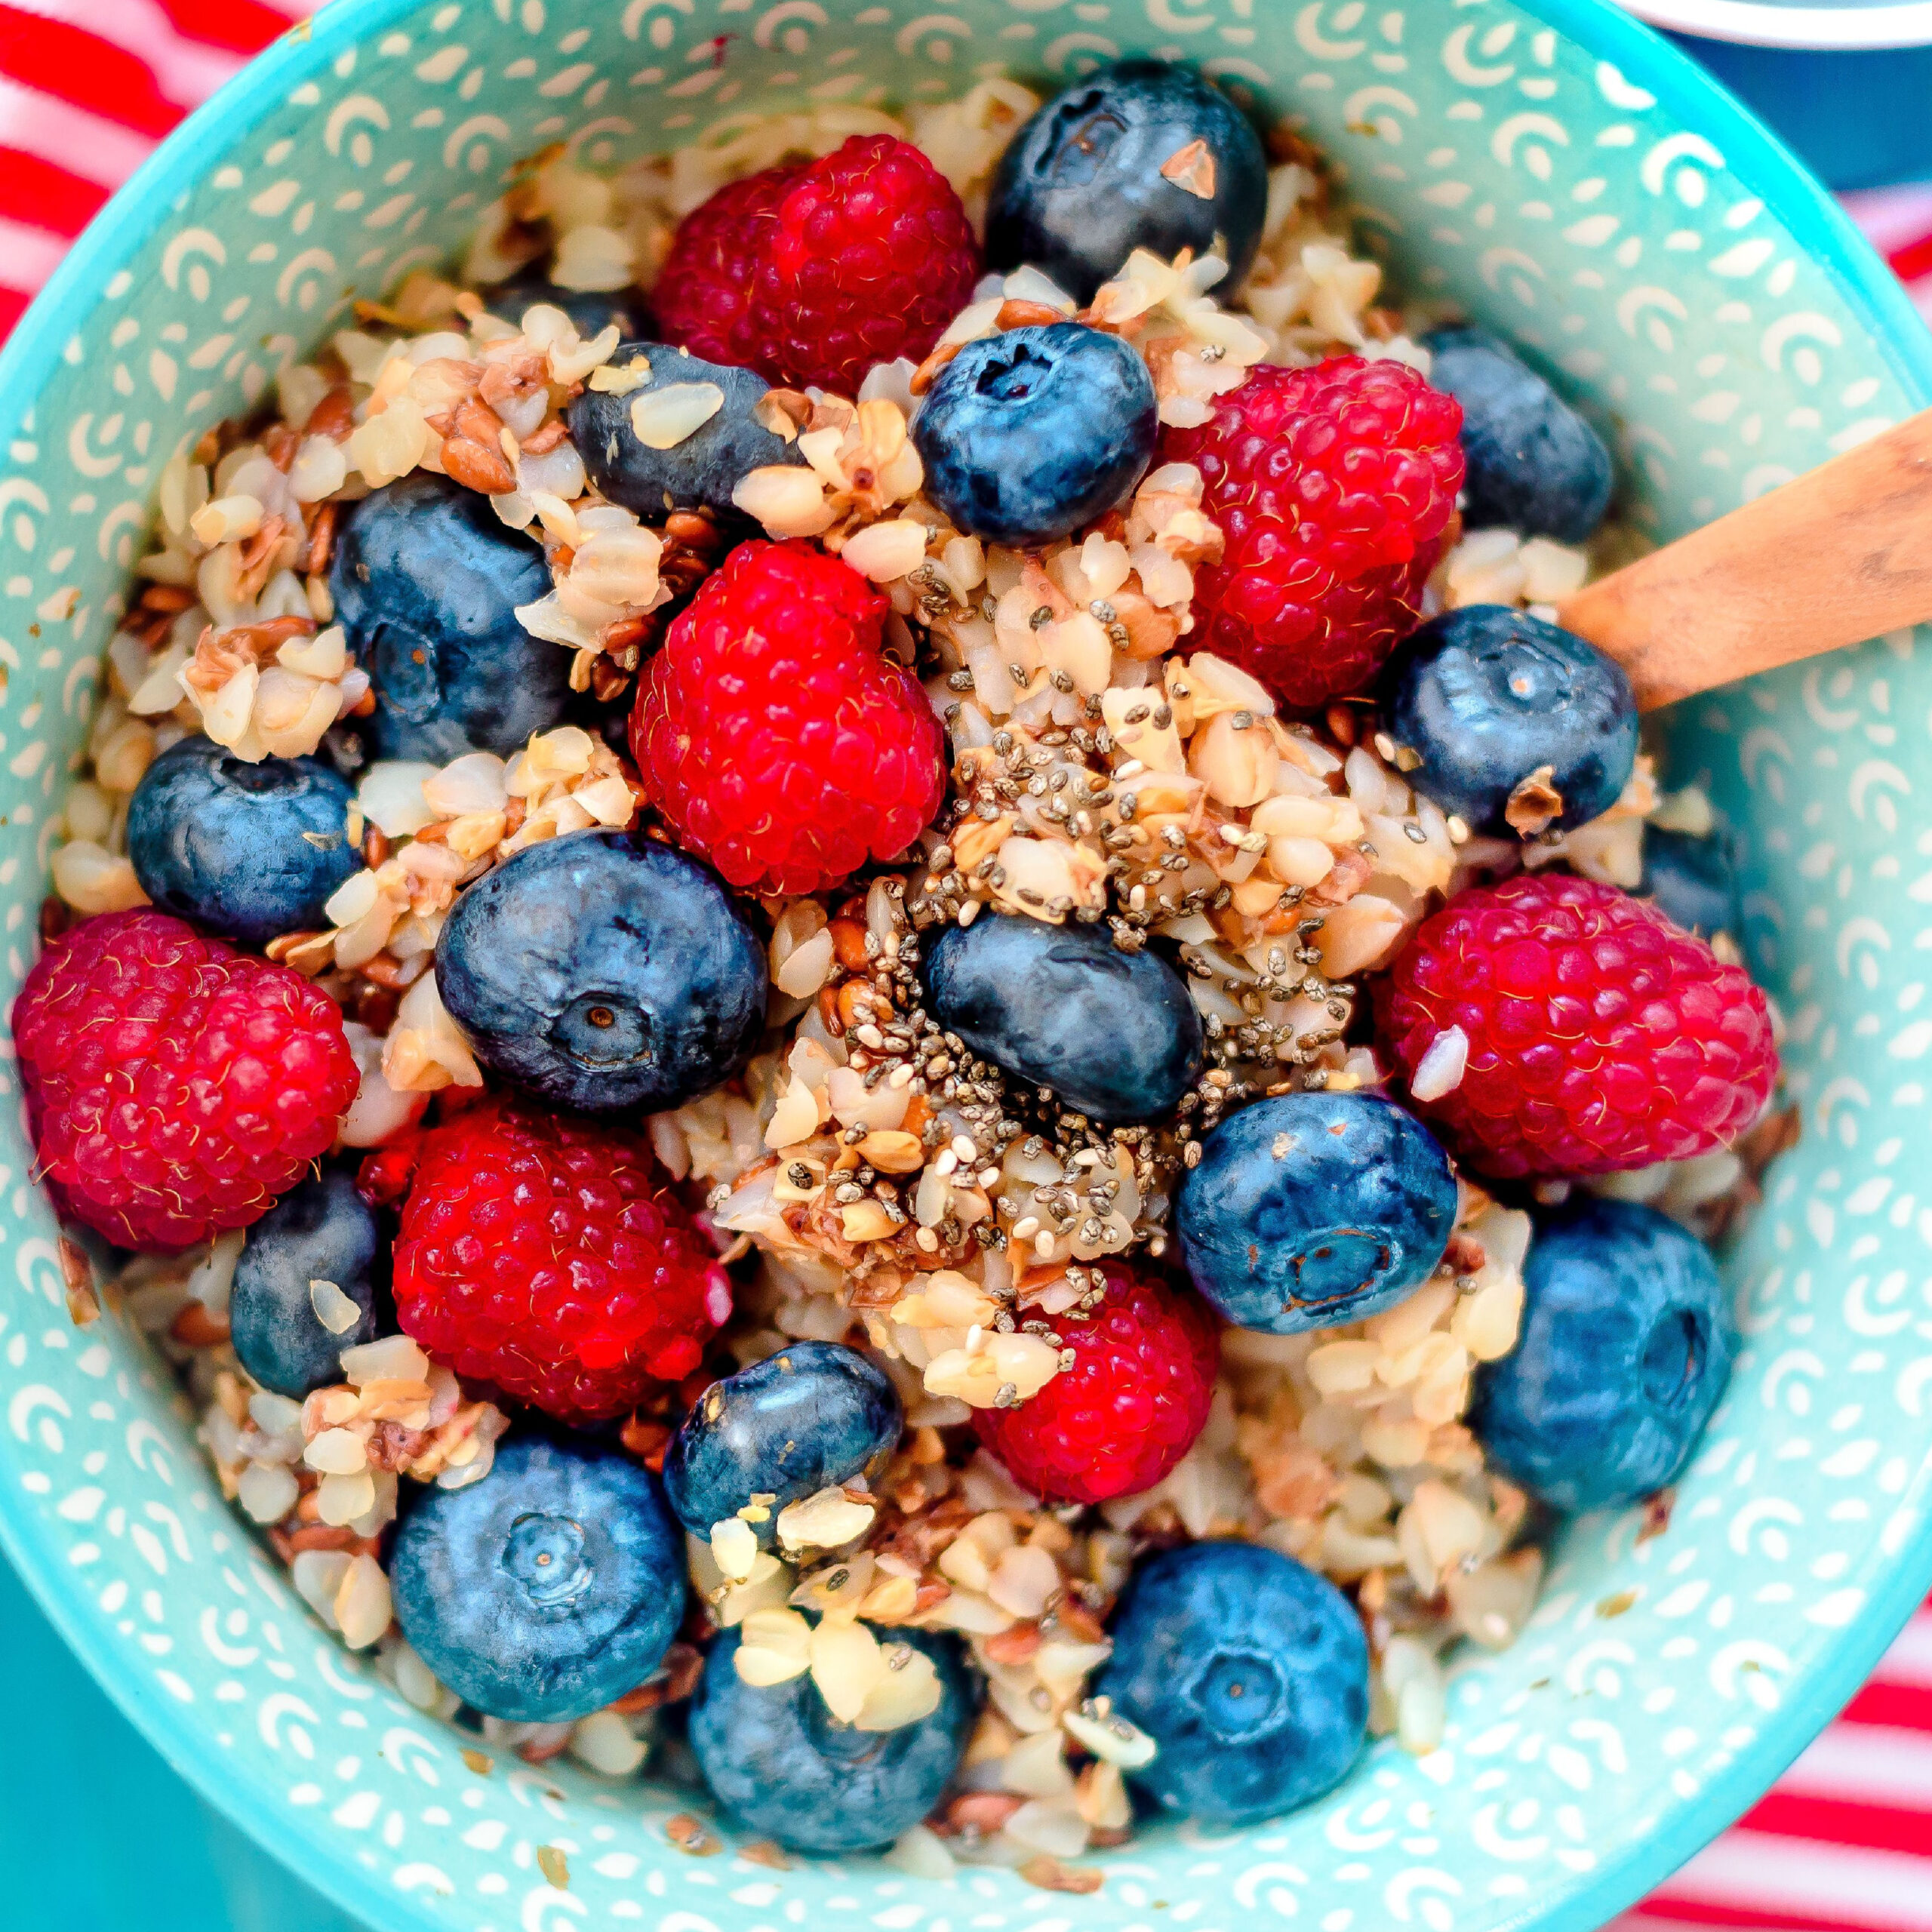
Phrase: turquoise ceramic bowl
x=1569 y=180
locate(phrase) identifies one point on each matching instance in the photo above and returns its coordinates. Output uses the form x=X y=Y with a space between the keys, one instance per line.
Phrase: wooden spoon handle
x=1841 y=554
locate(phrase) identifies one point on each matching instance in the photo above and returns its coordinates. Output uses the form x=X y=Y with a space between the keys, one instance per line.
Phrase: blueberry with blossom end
x=1534 y=465
x=1627 y=1341
x=320 y=1231
x=247 y=850
x=774 y=1755
x=546 y=1589
x=1115 y=1035
x=1248 y=1671
x=604 y=973
x=1312 y=1209
x=1028 y=434
x=1518 y=726
x=1142 y=154
x=811 y=1415
x=702 y=467
x=427 y=580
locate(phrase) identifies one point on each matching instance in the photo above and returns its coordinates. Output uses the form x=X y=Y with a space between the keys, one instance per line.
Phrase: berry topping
x=1332 y=486
x=1029 y=434
x=1130 y=1407
x=776 y=1755
x=772 y=734
x=1521 y=728
x=546 y=1590
x=1249 y=1673
x=1594 y=1035
x=546 y=1255
x=814 y=275
x=604 y=973
x=1115 y=1035
x=637 y=448
x=1693 y=880
x=174 y=1087
x=592 y=311
x=1313 y=1209
x=427 y=581
x=246 y=850
x=1140 y=155
x=811 y=1415
x=1534 y=465
x=1627 y=1344
x=703 y=295
x=322 y=1233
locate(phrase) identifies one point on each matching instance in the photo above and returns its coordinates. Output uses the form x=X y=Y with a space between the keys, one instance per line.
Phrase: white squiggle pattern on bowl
x=1498 y=167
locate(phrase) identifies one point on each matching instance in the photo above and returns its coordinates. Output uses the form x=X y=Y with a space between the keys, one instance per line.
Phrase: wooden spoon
x=1840 y=555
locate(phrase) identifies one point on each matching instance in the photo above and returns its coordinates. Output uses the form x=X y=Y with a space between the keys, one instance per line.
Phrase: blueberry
x=1627 y=1343
x=604 y=973
x=811 y=1416
x=1534 y=465
x=1693 y=880
x=1029 y=434
x=427 y=581
x=775 y=1756
x=1081 y=185
x=1250 y=1674
x=320 y=1231
x=545 y=1590
x=1115 y=1034
x=701 y=470
x=246 y=851
x=1314 y=1209
x=1487 y=696
x=592 y=311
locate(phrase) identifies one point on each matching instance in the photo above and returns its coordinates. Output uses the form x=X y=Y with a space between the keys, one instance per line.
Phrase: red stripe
x=43 y=195
x=83 y=70
x=1910 y=260
x=13 y=307
x=1906 y=1706
x=236 y=26
x=1836 y=1821
x=1701 y=1911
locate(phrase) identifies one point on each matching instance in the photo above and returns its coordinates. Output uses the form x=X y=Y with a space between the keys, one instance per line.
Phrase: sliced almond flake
x=1536 y=804
x=1440 y=1069
x=663 y=418
x=1110 y=1737
x=1192 y=168
x=620 y=378
x=334 y=1309
x=823 y=1522
x=734 y=1549
x=395 y=1358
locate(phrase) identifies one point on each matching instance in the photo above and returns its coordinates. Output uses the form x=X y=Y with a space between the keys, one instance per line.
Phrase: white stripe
x=1867 y=1764
x=187 y=72
x=30 y=254
x=1747 y=1871
x=71 y=137
x=1909 y=1660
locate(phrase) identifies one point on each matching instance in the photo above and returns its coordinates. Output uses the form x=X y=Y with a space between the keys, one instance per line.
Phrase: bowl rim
x=1816 y=223
x=1839 y=29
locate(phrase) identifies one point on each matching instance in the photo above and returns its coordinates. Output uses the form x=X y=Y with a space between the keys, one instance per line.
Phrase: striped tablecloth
x=88 y=87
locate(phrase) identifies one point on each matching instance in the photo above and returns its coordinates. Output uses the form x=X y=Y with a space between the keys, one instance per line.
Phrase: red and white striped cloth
x=1844 y=1844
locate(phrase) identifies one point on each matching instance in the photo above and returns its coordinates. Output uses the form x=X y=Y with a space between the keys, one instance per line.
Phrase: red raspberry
x=546 y=1255
x=702 y=296
x=174 y=1086
x=1129 y=1408
x=772 y=734
x=1333 y=486
x=814 y=274
x=1601 y=1036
